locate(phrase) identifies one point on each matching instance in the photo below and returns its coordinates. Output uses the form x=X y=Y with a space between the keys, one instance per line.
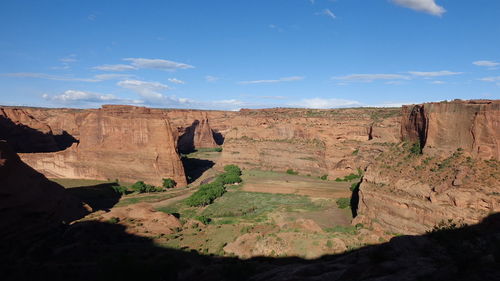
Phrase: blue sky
x=248 y=54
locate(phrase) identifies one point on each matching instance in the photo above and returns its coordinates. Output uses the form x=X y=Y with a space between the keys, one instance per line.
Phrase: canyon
x=423 y=168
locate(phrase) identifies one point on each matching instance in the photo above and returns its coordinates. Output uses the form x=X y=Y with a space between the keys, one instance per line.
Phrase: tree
x=169 y=183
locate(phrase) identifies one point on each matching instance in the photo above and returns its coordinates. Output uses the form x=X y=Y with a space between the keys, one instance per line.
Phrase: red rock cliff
x=116 y=142
x=473 y=126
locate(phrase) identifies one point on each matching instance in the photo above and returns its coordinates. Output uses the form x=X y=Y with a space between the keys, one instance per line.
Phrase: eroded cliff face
x=457 y=177
x=29 y=202
x=116 y=142
x=473 y=126
x=198 y=135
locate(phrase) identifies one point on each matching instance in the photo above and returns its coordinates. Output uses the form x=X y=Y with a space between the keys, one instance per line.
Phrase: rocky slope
x=456 y=178
x=115 y=142
x=29 y=202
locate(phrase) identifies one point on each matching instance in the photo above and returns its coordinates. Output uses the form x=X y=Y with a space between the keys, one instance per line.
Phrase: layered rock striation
x=115 y=142
x=473 y=126
x=456 y=180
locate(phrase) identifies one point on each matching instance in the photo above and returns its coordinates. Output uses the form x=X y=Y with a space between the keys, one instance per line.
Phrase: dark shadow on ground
x=24 y=139
x=102 y=251
x=99 y=197
x=194 y=168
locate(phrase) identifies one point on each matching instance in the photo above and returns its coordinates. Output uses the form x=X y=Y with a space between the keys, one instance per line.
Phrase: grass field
x=275 y=182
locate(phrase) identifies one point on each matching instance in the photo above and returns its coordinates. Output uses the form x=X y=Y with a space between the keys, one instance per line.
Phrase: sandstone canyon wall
x=456 y=178
x=443 y=127
x=116 y=142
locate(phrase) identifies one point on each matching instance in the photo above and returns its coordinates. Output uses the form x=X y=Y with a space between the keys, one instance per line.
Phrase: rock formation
x=29 y=202
x=473 y=126
x=115 y=142
x=198 y=135
x=403 y=192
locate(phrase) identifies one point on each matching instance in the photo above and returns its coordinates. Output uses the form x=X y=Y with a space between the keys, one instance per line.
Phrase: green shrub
x=229 y=178
x=324 y=177
x=203 y=219
x=329 y=243
x=349 y=177
x=354 y=186
x=169 y=183
x=292 y=172
x=415 y=149
x=123 y=190
x=355 y=152
x=232 y=169
x=141 y=187
x=206 y=194
x=343 y=203
x=114 y=220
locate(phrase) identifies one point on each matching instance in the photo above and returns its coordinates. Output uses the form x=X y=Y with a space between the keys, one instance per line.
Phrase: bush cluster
x=351 y=176
x=292 y=172
x=207 y=193
x=141 y=187
x=169 y=183
x=123 y=190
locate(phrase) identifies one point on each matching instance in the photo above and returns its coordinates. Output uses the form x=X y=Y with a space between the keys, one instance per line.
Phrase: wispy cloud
x=69 y=59
x=176 y=81
x=487 y=63
x=48 y=76
x=430 y=74
x=275 y=27
x=283 y=79
x=159 y=64
x=95 y=78
x=145 y=89
x=328 y=13
x=426 y=6
x=81 y=97
x=490 y=79
x=437 y=82
x=211 y=79
x=366 y=78
x=114 y=67
x=324 y=103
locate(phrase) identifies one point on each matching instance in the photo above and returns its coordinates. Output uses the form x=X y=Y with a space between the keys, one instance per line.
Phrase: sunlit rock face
x=115 y=142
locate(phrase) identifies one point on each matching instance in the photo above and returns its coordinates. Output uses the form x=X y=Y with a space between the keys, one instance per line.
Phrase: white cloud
x=370 y=77
x=114 y=67
x=328 y=13
x=146 y=89
x=112 y=76
x=176 y=81
x=486 y=63
x=79 y=97
x=211 y=79
x=48 y=76
x=324 y=103
x=426 y=6
x=283 y=79
x=430 y=74
x=438 y=82
x=490 y=79
x=157 y=64
x=95 y=78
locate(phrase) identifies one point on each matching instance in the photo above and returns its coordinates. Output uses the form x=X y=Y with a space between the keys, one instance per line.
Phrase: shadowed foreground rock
x=102 y=251
x=29 y=202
